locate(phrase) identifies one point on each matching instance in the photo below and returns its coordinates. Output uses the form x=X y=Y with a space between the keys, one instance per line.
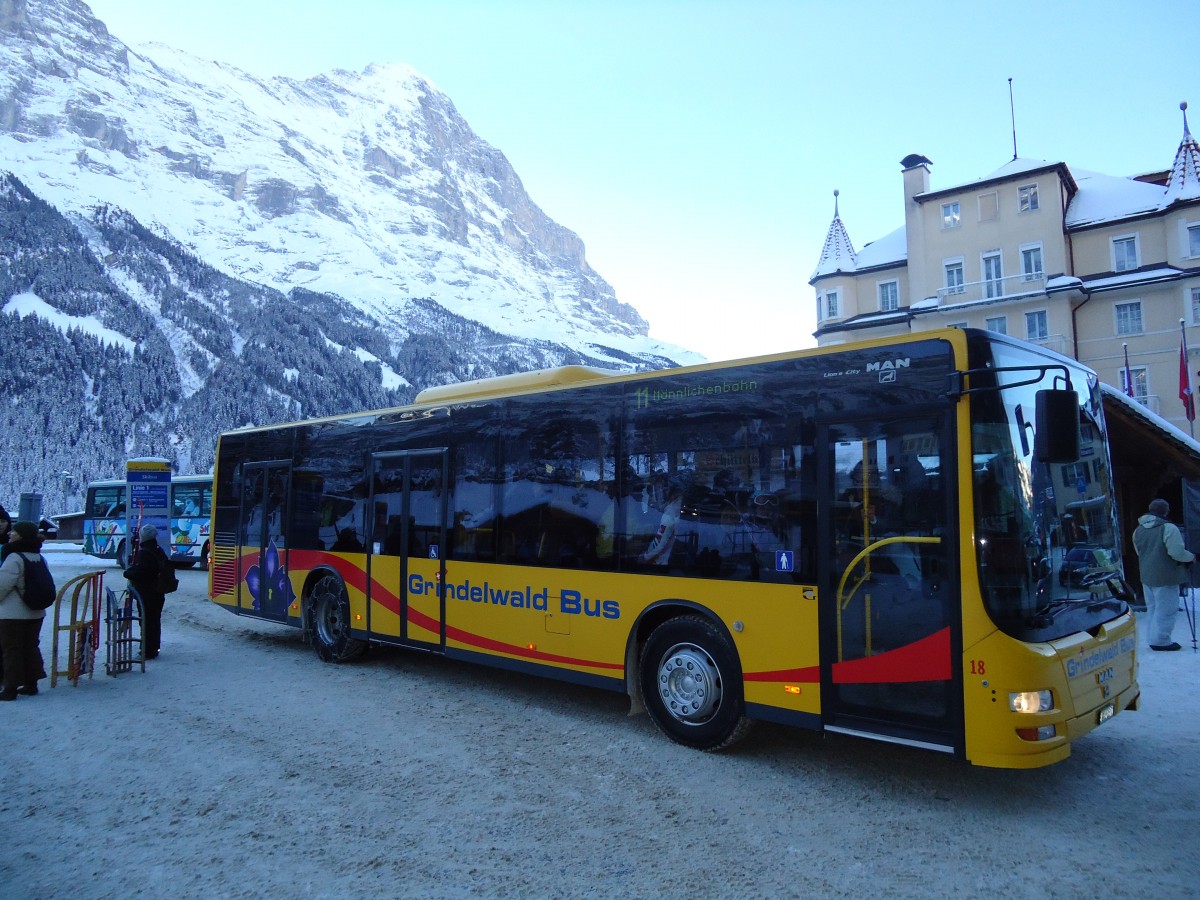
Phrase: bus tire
x=204 y=557
x=691 y=684
x=122 y=562
x=330 y=631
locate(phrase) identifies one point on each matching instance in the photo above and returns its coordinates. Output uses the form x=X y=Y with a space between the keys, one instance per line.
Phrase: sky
x=695 y=146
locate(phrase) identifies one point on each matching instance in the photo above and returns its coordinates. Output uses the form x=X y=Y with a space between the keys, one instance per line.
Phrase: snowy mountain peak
x=186 y=248
x=367 y=185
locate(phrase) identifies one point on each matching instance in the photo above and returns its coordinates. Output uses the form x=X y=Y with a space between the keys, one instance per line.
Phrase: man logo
x=887 y=368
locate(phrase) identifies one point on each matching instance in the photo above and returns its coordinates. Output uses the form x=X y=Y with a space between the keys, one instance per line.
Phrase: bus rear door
x=889 y=606
x=263 y=587
x=407 y=546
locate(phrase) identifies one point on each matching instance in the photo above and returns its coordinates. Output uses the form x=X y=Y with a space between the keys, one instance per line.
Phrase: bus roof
x=505 y=384
x=566 y=376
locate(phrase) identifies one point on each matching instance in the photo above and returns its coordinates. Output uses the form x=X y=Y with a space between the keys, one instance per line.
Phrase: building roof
x=1136 y=433
x=888 y=250
x=1011 y=169
x=838 y=253
x=1184 y=181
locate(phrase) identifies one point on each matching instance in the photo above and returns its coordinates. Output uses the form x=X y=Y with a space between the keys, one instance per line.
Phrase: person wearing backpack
x=20 y=624
x=150 y=574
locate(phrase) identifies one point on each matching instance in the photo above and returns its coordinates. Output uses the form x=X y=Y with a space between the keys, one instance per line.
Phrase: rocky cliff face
x=187 y=248
x=369 y=185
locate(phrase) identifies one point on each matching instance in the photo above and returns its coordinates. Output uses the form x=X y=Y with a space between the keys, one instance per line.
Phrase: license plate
x=1106 y=713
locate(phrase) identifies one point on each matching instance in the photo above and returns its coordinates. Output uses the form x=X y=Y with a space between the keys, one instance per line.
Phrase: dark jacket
x=149 y=563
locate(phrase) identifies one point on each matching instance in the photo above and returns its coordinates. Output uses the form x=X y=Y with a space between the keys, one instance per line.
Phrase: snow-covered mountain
x=355 y=213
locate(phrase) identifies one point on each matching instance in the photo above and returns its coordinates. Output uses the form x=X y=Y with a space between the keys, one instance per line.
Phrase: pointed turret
x=1184 y=180
x=838 y=253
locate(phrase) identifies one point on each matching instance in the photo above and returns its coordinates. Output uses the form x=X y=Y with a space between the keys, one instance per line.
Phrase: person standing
x=20 y=626
x=150 y=564
x=1163 y=560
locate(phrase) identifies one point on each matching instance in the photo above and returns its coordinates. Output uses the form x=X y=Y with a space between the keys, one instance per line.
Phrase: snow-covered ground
x=238 y=765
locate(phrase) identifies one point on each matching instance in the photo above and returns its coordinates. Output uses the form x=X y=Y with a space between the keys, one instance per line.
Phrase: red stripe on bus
x=925 y=660
x=357 y=578
x=808 y=675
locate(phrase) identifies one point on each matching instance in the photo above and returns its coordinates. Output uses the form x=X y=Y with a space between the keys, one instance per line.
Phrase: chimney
x=916 y=181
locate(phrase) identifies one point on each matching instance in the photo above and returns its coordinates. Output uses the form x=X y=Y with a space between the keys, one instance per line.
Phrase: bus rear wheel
x=329 y=629
x=692 y=684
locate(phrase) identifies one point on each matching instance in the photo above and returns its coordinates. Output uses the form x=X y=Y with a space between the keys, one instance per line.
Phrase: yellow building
x=1087 y=264
x=1100 y=268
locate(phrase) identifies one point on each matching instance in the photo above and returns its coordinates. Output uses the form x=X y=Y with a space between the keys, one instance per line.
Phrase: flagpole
x=1185 y=382
x=1128 y=373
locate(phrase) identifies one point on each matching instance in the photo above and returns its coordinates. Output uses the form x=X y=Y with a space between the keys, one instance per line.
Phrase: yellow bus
x=865 y=539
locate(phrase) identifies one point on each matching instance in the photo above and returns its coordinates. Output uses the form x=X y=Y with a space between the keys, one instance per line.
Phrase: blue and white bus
x=109 y=521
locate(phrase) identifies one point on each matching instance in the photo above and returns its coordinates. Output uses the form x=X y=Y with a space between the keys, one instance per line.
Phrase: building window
x=993 y=275
x=1027 y=198
x=1076 y=475
x=831 y=305
x=1125 y=256
x=989 y=207
x=889 y=296
x=1031 y=262
x=1195 y=305
x=999 y=324
x=954 y=276
x=1036 y=326
x=1193 y=240
x=1137 y=382
x=951 y=215
x=1129 y=317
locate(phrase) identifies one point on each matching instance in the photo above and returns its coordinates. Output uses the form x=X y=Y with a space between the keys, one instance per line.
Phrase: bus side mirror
x=1056 y=421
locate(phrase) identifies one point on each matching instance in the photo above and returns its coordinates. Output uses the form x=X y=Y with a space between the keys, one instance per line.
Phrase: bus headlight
x=1030 y=701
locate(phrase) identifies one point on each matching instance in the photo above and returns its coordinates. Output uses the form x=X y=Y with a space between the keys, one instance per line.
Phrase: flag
x=1128 y=373
x=1185 y=382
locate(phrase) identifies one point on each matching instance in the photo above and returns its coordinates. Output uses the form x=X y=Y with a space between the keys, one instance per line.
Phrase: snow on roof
x=891 y=248
x=1141 y=276
x=1019 y=166
x=1128 y=403
x=1184 y=181
x=1106 y=198
x=838 y=253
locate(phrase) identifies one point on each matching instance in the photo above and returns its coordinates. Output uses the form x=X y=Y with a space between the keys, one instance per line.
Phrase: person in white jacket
x=20 y=626
x=1163 y=560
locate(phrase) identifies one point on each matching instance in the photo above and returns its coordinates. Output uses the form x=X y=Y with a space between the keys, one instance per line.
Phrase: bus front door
x=888 y=604
x=408 y=542
x=263 y=586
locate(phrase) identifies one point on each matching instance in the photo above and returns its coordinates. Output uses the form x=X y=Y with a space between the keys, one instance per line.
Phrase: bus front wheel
x=330 y=624
x=122 y=558
x=692 y=684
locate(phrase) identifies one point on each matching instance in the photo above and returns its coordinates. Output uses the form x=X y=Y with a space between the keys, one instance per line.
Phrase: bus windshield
x=1047 y=546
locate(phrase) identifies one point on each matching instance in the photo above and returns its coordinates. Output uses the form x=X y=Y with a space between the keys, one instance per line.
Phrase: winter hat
x=26 y=530
x=1159 y=508
x=148 y=533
